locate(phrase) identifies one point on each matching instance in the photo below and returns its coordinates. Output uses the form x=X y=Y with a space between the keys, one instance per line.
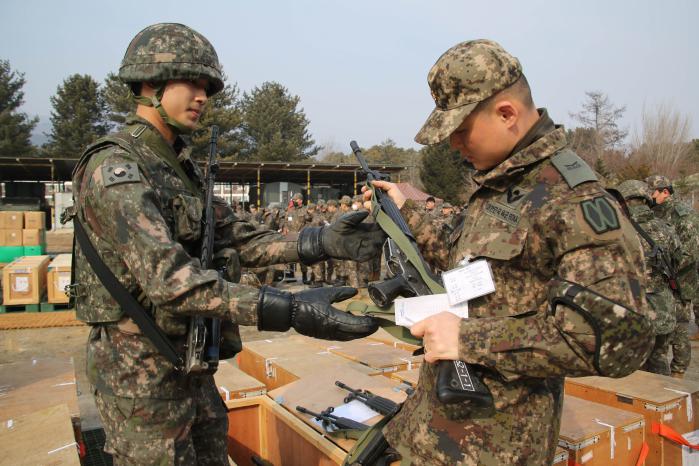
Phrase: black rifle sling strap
x=128 y=303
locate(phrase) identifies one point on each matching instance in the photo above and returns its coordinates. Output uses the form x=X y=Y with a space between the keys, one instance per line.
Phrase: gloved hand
x=347 y=238
x=310 y=313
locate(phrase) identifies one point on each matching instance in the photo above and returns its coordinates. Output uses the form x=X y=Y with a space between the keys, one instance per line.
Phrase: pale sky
x=360 y=66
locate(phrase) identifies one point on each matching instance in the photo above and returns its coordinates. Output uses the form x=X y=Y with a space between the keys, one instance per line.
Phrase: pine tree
x=15 y=127
x=119 y=100
x=78 y=116
x=224 y=111
x=442 y=173
x=274 y=128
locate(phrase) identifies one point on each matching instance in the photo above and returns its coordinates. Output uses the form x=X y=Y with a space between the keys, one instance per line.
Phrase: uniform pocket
x=188 y=212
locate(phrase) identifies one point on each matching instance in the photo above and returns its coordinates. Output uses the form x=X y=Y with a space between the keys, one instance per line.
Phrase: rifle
x=409 y=275
x=378 y=403
x=204 y=335
x=331 y=423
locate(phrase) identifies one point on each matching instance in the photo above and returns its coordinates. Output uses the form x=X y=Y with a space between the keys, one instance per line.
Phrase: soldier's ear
x=507 y=112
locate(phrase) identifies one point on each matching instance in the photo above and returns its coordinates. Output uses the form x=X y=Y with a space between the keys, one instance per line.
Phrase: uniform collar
x=154 y=135
x=542 y=141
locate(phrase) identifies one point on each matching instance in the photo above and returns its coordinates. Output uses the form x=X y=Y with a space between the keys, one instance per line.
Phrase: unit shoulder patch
x=600 y=215
x=118 y=173
x=572 y=168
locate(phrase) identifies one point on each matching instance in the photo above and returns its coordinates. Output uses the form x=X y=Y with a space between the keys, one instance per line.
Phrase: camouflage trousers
x=681 y=348
x=318 y=272
x=658 y=362
x=145 y=431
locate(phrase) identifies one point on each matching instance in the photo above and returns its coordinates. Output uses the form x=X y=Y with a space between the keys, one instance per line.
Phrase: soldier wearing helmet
x=686 y=222
x=138 y=207
x=662 y=250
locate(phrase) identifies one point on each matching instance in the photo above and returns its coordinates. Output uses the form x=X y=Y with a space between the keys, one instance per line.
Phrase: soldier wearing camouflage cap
x=137 y=210
x=662 y=250
x=564 y=260
x=686 y=223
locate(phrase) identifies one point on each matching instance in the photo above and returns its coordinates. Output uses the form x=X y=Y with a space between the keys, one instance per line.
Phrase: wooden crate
x=379 y=356
x=561 y=457
x=660 y=399
x=385 y=337
x=233 y=383
x=42 y=437
x=57 y=277
x=24 y=280
x=11 y=237
x=33 y=237
x=596 y=434
x=259 y=426
x=280 y=361
x=409 y=377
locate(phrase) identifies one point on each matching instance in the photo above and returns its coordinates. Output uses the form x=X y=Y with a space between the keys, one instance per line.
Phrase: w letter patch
x=600 y=215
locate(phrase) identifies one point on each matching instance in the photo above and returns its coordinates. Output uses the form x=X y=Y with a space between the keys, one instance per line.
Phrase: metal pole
x=308 y=185
x=258 y=187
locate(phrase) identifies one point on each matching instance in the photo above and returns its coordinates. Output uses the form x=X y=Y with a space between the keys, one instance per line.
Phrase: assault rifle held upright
x=456 y=380
x=204 y=335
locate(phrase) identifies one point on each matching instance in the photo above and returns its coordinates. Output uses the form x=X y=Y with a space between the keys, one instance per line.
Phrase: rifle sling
x=128 y=303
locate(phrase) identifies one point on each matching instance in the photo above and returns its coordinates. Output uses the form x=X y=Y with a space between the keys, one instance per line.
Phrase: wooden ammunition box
x=11 y=220
x=35 y=220
x=660 y=399
x=57 y=278
x=280 y=361
x=595 y=434
x=233 y=383
x=409 y=377
x=24 y=280
x=561 y=457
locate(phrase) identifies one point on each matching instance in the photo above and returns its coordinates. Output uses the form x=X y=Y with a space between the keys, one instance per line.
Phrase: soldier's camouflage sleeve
x=127 y=216
x=532 y=342
x=430 y=237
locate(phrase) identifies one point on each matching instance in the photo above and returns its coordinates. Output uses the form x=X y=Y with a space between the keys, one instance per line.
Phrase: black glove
x=311 y=314
x=347 y=238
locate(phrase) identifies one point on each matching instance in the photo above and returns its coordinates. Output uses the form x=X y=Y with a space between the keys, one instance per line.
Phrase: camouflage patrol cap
x=321 y=202
x=446 y=205
x=634 y=189
x=297 y=196
x=332 y=202
x=463 y=76
x=346 y=200
x=310 y=205
x=658 y=182
x=166 y=51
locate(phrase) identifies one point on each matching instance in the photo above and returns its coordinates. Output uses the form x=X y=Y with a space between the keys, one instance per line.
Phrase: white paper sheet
x=409 y=311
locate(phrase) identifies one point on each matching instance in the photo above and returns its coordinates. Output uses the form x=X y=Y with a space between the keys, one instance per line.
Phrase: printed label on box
x=21 y=284
x=690 y=457
x=62 y=282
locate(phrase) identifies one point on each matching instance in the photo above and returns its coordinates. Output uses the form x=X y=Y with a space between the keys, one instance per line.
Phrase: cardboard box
x=33 y=237
x=35 y=220
x=662 y=400
x=12 y=237
x=595 y=434
x=58 y=277
x=24 y=280
x=10 y=253
x=11 y=220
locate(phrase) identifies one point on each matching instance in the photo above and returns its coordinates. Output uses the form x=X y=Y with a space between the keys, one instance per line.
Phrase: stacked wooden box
x=24 y=280
x=22 y=234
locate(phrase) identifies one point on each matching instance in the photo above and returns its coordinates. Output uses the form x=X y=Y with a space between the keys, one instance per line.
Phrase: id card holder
x=468 y=281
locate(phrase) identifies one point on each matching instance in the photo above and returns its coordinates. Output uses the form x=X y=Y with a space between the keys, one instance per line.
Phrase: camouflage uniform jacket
x=295 y=219
x=659 y=294
x=142 y=208
x=528 y=222
x=686 y=223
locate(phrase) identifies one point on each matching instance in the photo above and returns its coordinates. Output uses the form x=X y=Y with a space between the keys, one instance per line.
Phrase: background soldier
x=329 y=216
x=686 y=223
x=134 y=194
x=550 y=234
x=430 y=206
x=343 y=268
x=293 y=222
x=662 y=253
x=313 y=218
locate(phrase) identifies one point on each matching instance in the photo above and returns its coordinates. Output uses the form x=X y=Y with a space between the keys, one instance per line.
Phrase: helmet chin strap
x=155 y=102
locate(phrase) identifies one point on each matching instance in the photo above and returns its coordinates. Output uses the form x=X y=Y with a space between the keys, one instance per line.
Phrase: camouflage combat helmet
x=297 y=196
x=332 y=202
x=168 y=51
x=658 y=182
x=635 y=189
x=346 y=200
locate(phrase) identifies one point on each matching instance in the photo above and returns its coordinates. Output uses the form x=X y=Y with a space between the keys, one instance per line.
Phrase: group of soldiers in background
x=669 y=233
x=297 y=216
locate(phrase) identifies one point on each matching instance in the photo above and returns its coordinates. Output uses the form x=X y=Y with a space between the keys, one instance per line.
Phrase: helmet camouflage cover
x=634 y=188
x=658 y=182
x=167 y=51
